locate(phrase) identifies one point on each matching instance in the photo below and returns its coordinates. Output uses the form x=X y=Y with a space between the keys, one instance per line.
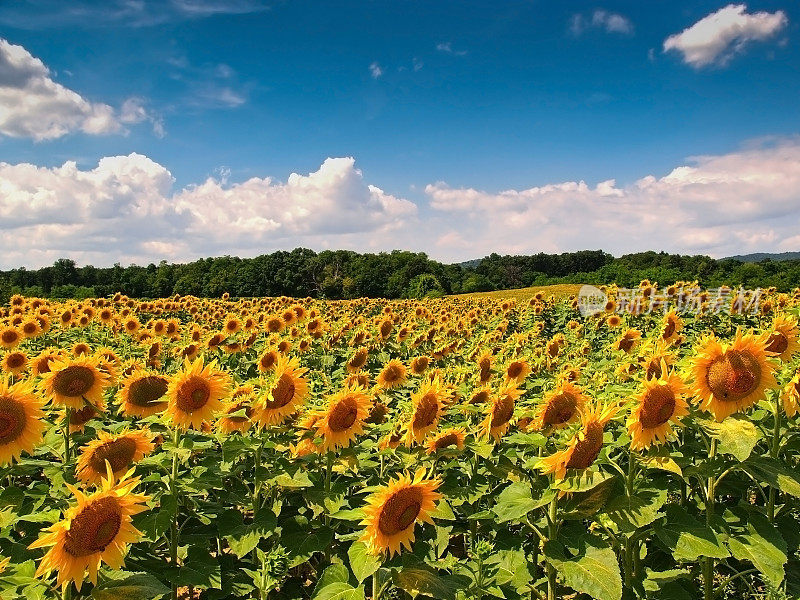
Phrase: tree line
x=343 y=274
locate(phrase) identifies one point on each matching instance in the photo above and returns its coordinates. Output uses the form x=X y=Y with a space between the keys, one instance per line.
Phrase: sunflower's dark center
x=118 y=452
x=282 y=393
x=658 y=406
x=147 y=391
x=386 y=328
x=420 y=365
x=587 y=449
x=392 y=373
x=479 y=397
x=502 y=411
x=12 y=420
x=626 y=343
x=669 y=329
x=515 y=370
x=193 y=394
x=82 y=416
x=734 y=375
x=653 y=370
x=29 y=328
x=451 y=439
x=560 y=409
x=400 y=511
x=15 y=360
x=74 y=381
x=778 y=343
x=343 y=415
x=427 y=411
x=268 y=360
x=94 y=528
x=486 y=370
x=358 y=360
x=9 y=336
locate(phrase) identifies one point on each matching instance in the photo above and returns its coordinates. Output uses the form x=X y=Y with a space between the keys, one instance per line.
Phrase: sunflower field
x=449 y=448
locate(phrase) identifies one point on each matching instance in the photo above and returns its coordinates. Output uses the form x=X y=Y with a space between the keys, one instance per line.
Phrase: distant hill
x=759 y=256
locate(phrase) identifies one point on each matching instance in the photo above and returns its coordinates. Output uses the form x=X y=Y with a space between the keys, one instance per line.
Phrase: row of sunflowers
x=445 y=448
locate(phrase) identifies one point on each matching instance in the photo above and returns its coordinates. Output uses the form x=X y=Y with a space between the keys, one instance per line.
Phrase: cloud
x=33 y=105
x=743 y=201
x=129 y=13
x=601 y=19
x=125 y=209
x=134 y=110
x=716 y=38
x=447 y=48
x=375 y=70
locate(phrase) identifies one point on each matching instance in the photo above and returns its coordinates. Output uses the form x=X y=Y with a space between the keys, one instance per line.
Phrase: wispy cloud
x=718 y=37
x=600 y=19
x=375 y=70
x=447 y=48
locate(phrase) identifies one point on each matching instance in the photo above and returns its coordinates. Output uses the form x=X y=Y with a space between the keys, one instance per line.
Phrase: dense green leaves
x=591 y=570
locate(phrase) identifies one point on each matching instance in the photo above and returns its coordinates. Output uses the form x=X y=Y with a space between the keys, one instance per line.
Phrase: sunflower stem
x=173 y=537
x=552 y=532
x=67 y=593
x=776 y=444
x=708 y=566
x=257 y=488
x=630 y=544
x=67 y=418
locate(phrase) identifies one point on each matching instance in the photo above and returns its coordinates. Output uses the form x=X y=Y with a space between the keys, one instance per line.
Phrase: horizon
x=136 y=132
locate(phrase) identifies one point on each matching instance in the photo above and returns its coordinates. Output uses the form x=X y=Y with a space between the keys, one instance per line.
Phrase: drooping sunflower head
x=427 y=406
x=628 y=340
x=782 y=342
x=121 y=451
x=392 y=512
x=660 y=404
x=791 y=396
x=500 y=410
x=585 y=446
x=485 y=367
x=143 y=393
x=671 y=326
x=731 y=377
x=284 y=392
x=72 y=382
x=21 y=420
x=517 y=370
x=96 y=529
x=449 y=439
x=358 y=360
x=419 y=364
x=195 y=394
x=392 y=375
x=343 y=419
x=560 y=407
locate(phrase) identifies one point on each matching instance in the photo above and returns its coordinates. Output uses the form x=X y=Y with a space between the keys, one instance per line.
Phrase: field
x=485 y=446
x=560 y=291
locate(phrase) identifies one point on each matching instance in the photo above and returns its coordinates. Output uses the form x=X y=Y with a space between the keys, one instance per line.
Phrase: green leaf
x=585 y=504
x=421 y=580
x=737 y=435
x=760 y=543
x=688 y=538
x=302 y=541
x=200 y=569
x=661 y=460
x=514 y=502
x=336 y=573
x=243 y=538
x=339 y=591
x=582 y=482
x=298 y=481
x=130 y=586
x=773 y=472
x=593 y=570
x=362 y=563
x=512 y=568
x=629 y=514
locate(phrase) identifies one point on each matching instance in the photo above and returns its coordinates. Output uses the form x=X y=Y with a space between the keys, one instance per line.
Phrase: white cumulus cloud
x=716 y=38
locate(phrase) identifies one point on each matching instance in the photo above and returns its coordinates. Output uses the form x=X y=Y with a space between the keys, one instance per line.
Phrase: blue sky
x=429 y=98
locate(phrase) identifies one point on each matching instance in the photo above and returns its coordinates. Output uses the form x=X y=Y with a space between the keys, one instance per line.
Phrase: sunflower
x=142 y=393
x=358 y=360
x=419 y=364
x=791 y=396
x=195 y=394
x=671 y=326
x=628 y=340
x=485 y=367
x=343 y=419
x=428 y=404
x=21 y=420
x=584 y=447
x=10 y=337
x=782 y=342
x=287 y=390
x=393 y=511
x=661 y=402
x=501 y=410
x=560 y=407
x=518 y=370
x=73 y=381
x=241 y=403
x=80 y=417
x=121 y=451
x=14 y=362
x=96 y=529
x=393 y=375
x=448 y=438
x=731 y=377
